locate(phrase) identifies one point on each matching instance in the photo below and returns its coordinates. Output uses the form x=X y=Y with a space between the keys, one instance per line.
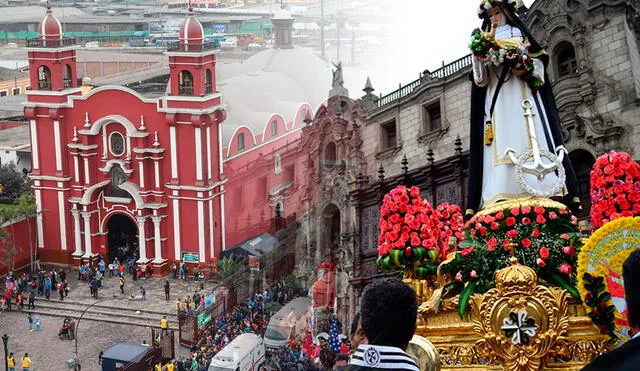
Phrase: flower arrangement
x=615 y=188
x=493 y=54
x=485 y=5
x=408 y=236
x=449 y=221
x=601 y=312
x=541 y=234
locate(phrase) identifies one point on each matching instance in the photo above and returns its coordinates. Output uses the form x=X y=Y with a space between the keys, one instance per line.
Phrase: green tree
x=27 y=209
x=11 y=250
x=13 y=181
x=232 y=273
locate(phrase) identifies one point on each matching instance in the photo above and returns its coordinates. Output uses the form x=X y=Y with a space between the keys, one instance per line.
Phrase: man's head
x=341 y=360
x=389 y=310
x=631 y=277
x=357 y=333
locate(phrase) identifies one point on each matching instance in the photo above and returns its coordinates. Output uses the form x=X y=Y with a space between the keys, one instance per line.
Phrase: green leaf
x=562 y=282
x=465 y=295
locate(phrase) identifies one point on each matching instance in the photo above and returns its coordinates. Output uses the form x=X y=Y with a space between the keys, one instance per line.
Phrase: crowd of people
x=24 y=287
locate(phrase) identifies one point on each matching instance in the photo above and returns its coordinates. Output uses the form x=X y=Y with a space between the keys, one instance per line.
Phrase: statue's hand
x=494 y=27
x=517 y=72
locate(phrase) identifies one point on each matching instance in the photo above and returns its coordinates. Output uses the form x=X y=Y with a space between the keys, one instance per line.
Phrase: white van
x=244 y=353
x=228 y=44
x=289 y=323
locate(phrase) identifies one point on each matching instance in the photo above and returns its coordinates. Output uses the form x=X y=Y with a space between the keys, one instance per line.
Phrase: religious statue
x=337 y=85
x=516 y=146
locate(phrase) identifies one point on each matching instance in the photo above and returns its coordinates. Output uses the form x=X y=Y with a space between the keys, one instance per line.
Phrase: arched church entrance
x=122 y=237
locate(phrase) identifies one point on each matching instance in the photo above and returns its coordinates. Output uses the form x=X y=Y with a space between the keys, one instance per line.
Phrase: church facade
x=112 y=159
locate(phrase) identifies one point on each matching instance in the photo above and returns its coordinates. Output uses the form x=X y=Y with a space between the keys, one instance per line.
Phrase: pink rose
x=565 y=268
x=458 y=277
x=473 y=274
x=569 y=250
x=541 y=263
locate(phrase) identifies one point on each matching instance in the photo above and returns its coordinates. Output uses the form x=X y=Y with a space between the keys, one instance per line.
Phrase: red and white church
x=115 y=160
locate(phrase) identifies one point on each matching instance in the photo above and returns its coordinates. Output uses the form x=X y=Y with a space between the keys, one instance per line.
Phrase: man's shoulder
x=626 y=357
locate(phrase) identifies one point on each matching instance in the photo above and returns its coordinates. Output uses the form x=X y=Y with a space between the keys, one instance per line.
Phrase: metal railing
x=50 y=43
x=179 y=46
x=44 y=85
x=442 y=72
x=67 y=84
x=185 y=90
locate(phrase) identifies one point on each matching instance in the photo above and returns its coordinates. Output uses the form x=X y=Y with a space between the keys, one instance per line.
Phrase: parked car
x=245 y=352
x=11 y=45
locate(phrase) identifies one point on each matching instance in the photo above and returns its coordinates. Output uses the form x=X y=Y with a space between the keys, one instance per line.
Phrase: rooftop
x=16 y=138
x=11 y=106
x=10 y=74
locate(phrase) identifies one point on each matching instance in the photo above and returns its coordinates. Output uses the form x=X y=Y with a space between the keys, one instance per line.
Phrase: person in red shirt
x=344 y=346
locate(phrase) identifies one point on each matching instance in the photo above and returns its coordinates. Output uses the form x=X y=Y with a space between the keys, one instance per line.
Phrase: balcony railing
x=444 y=71
x=44 y=85
x=186 y=90
x=191 y=47
x=208 y=89
x=51 y=43
x=67 y=84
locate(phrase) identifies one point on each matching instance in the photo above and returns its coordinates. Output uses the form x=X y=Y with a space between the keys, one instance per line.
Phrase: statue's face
x=495 y=15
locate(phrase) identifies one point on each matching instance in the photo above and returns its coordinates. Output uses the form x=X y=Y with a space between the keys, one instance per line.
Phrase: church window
x=208 y=82
x=15 y=91
x=118 y=177
x=68 y=77
x=278 y=164
x=432 y=117
x=44 y=78
x=116 y=144
x=389 y=137
x=274 y=128
x=240 y=142
x=330 y=153
x=566 y=59
x=186 y=83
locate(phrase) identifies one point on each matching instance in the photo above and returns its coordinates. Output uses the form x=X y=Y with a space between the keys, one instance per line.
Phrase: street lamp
x=75 y=333
x=5 y=340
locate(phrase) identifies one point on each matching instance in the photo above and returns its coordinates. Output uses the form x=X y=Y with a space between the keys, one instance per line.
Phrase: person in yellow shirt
x=178 y=306
x=171 y=366
x=11 y=362
x=157 y=367
x=26 y=362
x=164 y=325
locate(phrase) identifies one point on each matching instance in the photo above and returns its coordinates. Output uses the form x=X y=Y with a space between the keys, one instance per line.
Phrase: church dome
x=50 y=28
x=191 y=32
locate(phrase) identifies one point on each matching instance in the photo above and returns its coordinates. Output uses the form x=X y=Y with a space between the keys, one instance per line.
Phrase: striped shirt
x=382 y=357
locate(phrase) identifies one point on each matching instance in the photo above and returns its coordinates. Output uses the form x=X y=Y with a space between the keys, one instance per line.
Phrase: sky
x=426 y=33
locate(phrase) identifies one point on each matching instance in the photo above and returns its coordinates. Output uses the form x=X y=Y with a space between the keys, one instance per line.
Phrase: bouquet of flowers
x=494 y=54
x=408 y=238
x=449 y=221
x=541 y=237
x=615 y=188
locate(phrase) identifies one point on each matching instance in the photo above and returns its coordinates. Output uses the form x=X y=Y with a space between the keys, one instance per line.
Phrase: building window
x=240 y=142
x=274 y=128
x=44 y=78
x=389 y=138
x=290 y=174
x=208 y=82
x=566 y=59
x=15 y=91
x=278 y=164
x=186 y=83
x=116 y=144
x=4 y=93
x=68 y=77
x=330 y=153
x=432 y=117
x=118 y=177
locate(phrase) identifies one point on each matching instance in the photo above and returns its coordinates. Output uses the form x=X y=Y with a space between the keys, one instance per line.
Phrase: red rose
x=458 y=277
x=483 y=231
x=569 y=250
x=565 y=268
x=491 y=244
x=404 y=198
x=494 y=226
x=526 y=243
x=467 y=251
x=526 y=209
x=535 y=233
x=515 y=211
x=544 y=253
x=414 y=191
x=510 y=221
x=404 y=237
x=540 y=219
x=415 y=224
x=512 y=233
x=526 y=221
x=539 y=210
x=553 y=215
x=415 y=242
x=473 y=274
x=396 y=228
x=541 y=263
x=564 y=236
x=499 y=215
x=394 y=218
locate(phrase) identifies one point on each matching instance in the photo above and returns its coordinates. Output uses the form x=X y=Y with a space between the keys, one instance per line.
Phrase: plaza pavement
x=108 y=322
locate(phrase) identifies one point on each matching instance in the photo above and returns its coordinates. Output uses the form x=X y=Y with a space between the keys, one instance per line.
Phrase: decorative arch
x=113 y=212
x=267 y=126
x=127 y=186
x=301 y=114
x=234 y=137
x=132 y=131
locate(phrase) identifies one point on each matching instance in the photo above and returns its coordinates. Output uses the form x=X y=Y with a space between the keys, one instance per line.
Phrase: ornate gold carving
x=530 y=201
x=580 y=352
x=520 y=322
x=464 y=355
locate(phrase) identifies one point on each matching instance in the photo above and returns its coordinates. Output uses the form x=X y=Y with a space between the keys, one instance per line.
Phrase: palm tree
x=232 y=272
x=27 y=209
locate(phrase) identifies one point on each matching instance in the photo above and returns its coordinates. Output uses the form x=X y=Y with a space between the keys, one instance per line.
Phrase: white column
x=63 y=219
x=56 y=143
x=87 y=234
x=198 y=141
x=142 y=239
x=223 y=232
x=208 y=152
x=157 y=243
x=211 y=246
x=174 y=154
x=128 y=147
x=201 y=242
x=76 y=169
x=86 y=171
x=104 y=141
x=141 y=165
x=34 y=144
x=156 y=171
x=39 y=225
x=176 y=229
x=76 y=232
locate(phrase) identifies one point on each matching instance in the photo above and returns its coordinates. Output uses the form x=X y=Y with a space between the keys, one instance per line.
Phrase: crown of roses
x=485 y=5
